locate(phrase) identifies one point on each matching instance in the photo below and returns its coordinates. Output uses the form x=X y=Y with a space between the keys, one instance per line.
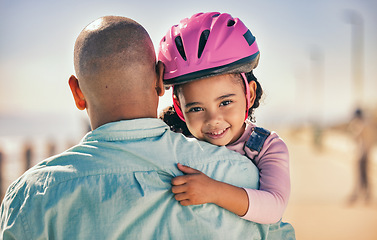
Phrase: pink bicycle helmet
x=207 y=44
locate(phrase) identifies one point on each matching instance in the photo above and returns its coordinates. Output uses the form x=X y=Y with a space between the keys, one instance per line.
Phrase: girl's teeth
x=218 y=132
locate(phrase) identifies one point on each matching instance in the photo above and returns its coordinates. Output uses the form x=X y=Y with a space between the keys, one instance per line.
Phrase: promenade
x=322 y=180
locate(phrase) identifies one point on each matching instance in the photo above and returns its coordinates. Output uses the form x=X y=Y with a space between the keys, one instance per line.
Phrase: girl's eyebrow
x=191 y=104
x=225 y=96
x=217 y=99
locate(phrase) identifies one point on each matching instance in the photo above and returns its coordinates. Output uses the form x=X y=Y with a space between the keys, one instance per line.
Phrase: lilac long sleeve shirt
x=267 y=204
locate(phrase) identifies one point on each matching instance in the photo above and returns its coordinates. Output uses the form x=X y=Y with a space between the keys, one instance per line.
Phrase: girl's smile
x=216 y=134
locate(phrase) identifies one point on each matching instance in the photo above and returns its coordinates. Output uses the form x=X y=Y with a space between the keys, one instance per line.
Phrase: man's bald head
x=115 y=63
x=111 y=47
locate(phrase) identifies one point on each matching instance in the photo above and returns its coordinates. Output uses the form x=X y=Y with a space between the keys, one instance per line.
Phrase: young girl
x=209 y=60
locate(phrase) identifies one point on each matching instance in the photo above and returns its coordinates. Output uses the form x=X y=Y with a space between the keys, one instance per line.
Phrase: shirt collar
x=128 y=129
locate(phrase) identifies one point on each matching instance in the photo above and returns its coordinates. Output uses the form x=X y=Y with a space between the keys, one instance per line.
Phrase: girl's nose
x=213 y=118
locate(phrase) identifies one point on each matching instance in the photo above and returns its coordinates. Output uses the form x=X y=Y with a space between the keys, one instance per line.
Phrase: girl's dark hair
x=170 y=117
x=258 y=93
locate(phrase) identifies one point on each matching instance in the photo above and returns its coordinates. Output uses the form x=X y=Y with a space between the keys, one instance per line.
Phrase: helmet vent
x=216 y=15
x=180 y=48
x=230 y=23
x=202 y=42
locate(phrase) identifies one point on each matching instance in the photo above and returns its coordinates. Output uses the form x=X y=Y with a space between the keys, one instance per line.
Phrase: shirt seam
x=25 y=223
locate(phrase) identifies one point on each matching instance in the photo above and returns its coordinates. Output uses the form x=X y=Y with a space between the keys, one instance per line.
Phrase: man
x=115 y=184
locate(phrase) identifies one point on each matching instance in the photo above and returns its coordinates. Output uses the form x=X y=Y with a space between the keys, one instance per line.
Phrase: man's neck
x=97 y=122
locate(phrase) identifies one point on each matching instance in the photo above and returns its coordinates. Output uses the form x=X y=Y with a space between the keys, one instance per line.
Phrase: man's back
x=116 y=185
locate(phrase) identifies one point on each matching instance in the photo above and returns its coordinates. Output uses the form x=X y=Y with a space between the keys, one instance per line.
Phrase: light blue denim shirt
x=115 y=184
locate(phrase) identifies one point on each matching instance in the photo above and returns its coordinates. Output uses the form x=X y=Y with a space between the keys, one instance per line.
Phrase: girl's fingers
x=183 y=199
x=180 y=197
x=183 y=179
x=186 y=169
x=178 y=189
x=185 y=203
x=180 y=180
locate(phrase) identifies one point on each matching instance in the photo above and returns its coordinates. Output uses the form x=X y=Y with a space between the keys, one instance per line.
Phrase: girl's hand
x=194 y=187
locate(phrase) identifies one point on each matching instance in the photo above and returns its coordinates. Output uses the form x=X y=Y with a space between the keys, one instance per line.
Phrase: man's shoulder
x=193 y=148
x=217 y=162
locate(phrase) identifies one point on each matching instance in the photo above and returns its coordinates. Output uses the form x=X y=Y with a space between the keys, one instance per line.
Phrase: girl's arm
x=196 y=188
x=268 y=204
x=265 y=205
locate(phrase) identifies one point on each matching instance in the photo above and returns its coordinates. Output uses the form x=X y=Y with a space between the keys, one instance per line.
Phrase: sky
x=305 y=66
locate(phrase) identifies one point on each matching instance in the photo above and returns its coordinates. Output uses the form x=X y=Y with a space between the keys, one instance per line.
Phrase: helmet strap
x=247 y=89
x=177 y=108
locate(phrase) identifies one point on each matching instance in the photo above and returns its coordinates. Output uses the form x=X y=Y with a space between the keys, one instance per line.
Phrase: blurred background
x=317 y=68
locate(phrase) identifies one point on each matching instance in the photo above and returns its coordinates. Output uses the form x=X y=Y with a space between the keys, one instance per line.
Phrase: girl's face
x=215 y=108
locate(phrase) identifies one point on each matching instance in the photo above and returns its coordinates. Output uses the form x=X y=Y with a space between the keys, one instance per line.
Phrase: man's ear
x=78 y=96
x=160 y=77
x=253 y=91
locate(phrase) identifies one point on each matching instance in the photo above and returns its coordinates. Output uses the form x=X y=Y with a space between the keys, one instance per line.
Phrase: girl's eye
x=227 y=102
x=195 y=109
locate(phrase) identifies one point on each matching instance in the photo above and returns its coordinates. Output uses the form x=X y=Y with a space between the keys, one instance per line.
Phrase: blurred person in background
x=363 y=132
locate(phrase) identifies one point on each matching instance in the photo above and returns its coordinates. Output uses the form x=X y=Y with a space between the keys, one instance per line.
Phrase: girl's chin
x=218 y=142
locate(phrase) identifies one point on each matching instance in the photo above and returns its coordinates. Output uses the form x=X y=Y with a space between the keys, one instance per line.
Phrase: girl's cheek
x=193 y=125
